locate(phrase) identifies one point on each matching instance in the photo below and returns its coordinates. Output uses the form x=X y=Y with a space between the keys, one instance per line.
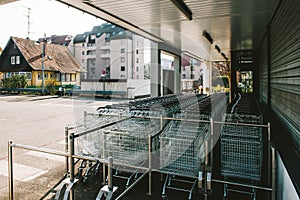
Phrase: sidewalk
x=20 y=98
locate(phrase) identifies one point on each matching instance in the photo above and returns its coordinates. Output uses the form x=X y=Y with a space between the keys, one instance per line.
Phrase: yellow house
x=26 y=57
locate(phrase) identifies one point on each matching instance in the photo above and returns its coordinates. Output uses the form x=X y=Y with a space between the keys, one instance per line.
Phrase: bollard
x=110 y=173
x=10 y=171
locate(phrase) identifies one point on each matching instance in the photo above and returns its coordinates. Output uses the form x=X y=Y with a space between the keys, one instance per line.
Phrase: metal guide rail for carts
x=242 y=150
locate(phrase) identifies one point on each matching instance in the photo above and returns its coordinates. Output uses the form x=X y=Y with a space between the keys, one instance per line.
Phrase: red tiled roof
x=57 y=57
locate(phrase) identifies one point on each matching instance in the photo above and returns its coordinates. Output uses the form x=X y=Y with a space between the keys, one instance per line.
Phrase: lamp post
x=43 y=60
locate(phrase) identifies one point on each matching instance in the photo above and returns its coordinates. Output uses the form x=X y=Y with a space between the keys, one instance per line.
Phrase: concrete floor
x=40 y=122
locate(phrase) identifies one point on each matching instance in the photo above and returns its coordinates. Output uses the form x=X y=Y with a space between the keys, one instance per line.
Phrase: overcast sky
x=49 y=17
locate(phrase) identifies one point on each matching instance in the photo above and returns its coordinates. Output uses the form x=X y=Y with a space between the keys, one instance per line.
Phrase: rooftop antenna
x=28 y=21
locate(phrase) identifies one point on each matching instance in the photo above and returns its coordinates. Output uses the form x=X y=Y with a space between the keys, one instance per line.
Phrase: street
x=38 y=122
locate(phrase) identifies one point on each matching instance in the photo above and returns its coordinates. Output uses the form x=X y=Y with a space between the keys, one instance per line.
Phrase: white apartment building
x=109 y=52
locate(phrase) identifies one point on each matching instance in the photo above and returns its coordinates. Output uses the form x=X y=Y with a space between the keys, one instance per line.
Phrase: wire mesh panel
x=182 y=146
x=127 y=141
x=90 y=144
x=241 y=147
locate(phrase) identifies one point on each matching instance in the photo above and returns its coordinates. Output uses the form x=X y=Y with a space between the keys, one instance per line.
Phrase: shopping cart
x=127 y=143
x=182 y=150
x=241 y=149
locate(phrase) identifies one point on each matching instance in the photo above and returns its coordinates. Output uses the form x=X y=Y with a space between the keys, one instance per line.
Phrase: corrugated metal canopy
x=232 y=24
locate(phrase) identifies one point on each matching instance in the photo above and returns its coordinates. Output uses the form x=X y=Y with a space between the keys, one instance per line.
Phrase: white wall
x=113 y=86
x=138 y=87
x=285 y=189
x=133 y=87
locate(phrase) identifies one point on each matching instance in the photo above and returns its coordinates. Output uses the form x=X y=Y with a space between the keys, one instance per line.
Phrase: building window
x=93 y=62
x=82 y=52
x=137 y=60
x=82 y=60
x=183 y=69
x=137 y=76
x=46 y=75
x=137 y=68
x=29 y=76
x=58 y=77
x=122 y=59
x=18 y=61
x=40 y=75
x=122 y=76
x=68 y=77
x=183 y=75
x=123 y=68
x=137 y=51
x=13 y=60
x=52 y=75
x=82 y=44
x=63 y=77
x=122 y=50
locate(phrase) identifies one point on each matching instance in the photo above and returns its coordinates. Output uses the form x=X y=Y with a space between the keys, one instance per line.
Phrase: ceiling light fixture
x=224 y=56
x=183 y=8
x=218 y=48
x=207 y=36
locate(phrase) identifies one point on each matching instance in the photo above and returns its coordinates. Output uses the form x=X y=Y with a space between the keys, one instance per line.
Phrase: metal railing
x=206 y=176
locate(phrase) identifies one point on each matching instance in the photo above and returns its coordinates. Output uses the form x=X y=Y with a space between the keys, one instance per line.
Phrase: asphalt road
x=38 y=122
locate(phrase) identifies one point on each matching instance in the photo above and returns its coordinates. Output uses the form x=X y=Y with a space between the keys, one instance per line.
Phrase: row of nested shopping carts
x=242 y=144
x=122 y=131
x=180 y=130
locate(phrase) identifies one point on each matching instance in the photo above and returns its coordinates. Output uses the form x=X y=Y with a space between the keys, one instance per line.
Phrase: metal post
x=67 y=147
x=103 y=165
x=10 y=171
x=206 y=165
x=274 y=173
x=269 y=132
x=161 y=122
x=269 y=157
x=206 y=152
x=43 y=60
x=84 y=119
x=150 y=165
x=71 y=163
x=211 y=141
x=110 y=173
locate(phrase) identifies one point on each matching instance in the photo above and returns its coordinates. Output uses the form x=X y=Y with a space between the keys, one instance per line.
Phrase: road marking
x=46 y=156
x=21 y=172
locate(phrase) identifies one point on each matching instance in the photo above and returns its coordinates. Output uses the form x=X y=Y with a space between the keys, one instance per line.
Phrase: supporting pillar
x=155 y=70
